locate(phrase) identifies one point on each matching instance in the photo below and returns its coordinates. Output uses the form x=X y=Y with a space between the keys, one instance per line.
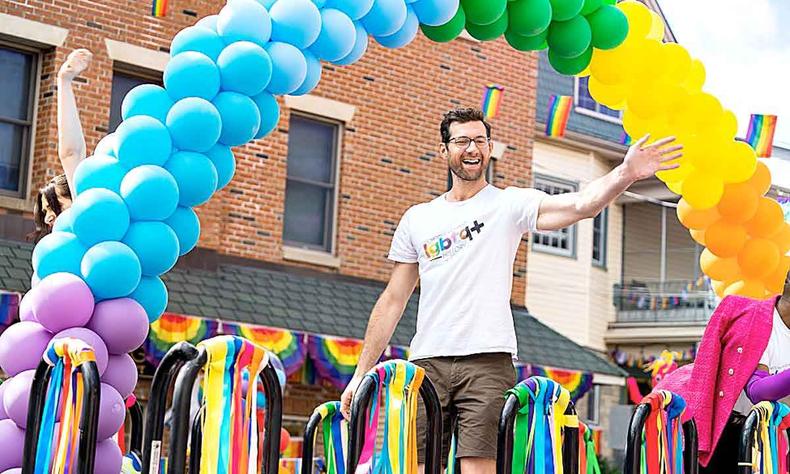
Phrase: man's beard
x=458 y=170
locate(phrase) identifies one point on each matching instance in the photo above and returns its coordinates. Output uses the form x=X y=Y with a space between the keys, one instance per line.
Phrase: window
x=313 y=147
x=600 y=230
x=18 y=77
x=122 y=83
x=585 y=102
x=559 y=242
x=594 y=405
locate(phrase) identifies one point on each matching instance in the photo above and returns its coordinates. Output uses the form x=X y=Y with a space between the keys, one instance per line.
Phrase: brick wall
x=388 y=159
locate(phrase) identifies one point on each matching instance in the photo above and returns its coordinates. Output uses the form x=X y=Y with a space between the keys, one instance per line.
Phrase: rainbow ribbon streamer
x=335 y=359
x=335 y=429
x=588 y=456
x=576 y=382
x=492 y=99
x=559 y=112
x=770 y=447
x=662 y=436
x=173 y=328
x=159 y=8
x=761 y=134
x=289 y=346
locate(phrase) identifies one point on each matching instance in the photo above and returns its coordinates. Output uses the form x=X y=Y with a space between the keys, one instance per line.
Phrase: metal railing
x=664 y=301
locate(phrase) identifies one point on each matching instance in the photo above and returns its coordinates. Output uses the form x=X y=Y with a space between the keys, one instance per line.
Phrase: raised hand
x=77 y=62
x=644 y=161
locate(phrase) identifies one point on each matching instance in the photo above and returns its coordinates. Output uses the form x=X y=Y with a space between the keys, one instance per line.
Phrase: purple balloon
x=62 y=301
x=112 y=411
x=13 y=442
x=108 y=458
x=93 y=340
x=3 y=386
x=121 y=323
x=16 y=397
x=22 y=345
x=26 y=306
x=121 y=374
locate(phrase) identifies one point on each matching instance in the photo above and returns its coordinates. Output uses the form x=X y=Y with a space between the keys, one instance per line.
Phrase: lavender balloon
x=13 y=442
x=26 y=306
x=62 y=301
x=16 y=470
x=93 y=340
x=21 y=347
x=121 y=323
x=112 y=411
x=3 y=414
x=16 y=397
x=121 y=374
x=108 y=458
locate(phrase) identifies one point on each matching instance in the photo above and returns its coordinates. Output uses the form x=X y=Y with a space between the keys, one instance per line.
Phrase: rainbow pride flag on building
x=761 y=134
x=559 y=112
x=159 y=8
x=492 y=99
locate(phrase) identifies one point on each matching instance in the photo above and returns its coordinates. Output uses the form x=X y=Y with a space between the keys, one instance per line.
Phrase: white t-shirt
x=465 y=252
x=777 y=355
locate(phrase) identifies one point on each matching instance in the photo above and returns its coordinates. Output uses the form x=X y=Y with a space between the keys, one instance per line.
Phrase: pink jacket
x=728 y=355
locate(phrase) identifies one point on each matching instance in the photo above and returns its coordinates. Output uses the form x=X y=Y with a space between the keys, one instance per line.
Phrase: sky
x=746 y=53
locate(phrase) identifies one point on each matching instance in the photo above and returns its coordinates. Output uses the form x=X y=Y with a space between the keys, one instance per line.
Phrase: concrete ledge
x=321 y=106
x=315 y=257
x=136 y=55
x=32 y=32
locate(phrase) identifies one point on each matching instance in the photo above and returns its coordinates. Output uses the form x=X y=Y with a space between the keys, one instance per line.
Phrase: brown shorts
x=472 y=390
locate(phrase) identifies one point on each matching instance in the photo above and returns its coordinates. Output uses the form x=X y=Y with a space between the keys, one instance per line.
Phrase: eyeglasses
x=463 y=142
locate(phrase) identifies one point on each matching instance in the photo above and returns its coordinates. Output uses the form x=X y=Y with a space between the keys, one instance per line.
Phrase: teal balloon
x=209 y=22
x=58 y=252
x=529 y=17
x=99 y=215
x=107 y=145
x=198 y=38
x=355 y=9
x=313 y=75
x=435 y=12
x=590 y=6
x=570 y=66
x=609 y=27
x=195 y=175
x=150 y=193
x=337 y=36
x=244 y=67
x=146 y=99
x=111 y=270
x=221 y=157
x=244 y=20
x=195 y=124
x=142 y=140
x=564 y=10
x=489 y=32
x=290 y=68
x=483 y=12
x=448 y=31
x=191 y=74
x=360 y=46
x=186 y=225
x=98 y=172
x=404 y=35
x=240 y=118
x=527 y=43
x=151 y=293
x=297 y=22
x=269 y=111
x=155 y=245
x=64 y=222
x=385 y=18
x=569 y=39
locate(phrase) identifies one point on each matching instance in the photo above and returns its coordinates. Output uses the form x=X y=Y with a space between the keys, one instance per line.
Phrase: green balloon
x=609 y=27
x=447 y=32
x=590 y=6
x=483 y=12
x=564 y=10
x=572 y=66
x=529 y=17
x=488 y=32
x=610 y=2
x=527 y=43
x=569 y=39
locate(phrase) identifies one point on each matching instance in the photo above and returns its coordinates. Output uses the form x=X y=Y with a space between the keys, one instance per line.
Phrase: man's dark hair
x=462 y=116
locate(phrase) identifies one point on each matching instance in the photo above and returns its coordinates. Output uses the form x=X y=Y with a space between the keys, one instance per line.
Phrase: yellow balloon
x=650 y=100
x=634 y=125
x=739 y=162
x=606 y=65
x=717 y=268
x=639 y=19
x=694 y=218
x=699 y=108
x=725 y=126
x=612 y=96
x=702 y=190
x=748 y=288
x=758 y=258
x=675 y=186
x=646 y=60
x=678 y=62
x=677 y=175
x=696 y=77
x=698 y=236
x=656 y=27
x=703 y=153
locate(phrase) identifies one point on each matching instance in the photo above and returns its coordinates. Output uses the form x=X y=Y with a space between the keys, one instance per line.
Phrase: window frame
x=592 y=113
x=151 y=75
x=601 y=261
x=330 y=233
x=573 y=186
x=594 y=405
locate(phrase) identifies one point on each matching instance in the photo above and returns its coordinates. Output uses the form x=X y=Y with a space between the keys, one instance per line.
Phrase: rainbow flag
x=559 y=111
x=159 y=8
x=761 y=134
x=334 y=358
x=576 y=382
x=492 y=99
x=625 y=139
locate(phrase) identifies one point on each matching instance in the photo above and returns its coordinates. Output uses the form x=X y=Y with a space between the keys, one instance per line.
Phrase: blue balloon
x=151 y=293
x=99 y=215
x=355 y=9
x=198 y=38
x=142 y=140
x=191 y=74
x=106 y=145
x=290 y=68
x=155 y=245
x=209 y=22
x=245 y=67
x=435 y=12
x=385 y=18
x=150 y=192
x=195 y=175
x=313 y=74
x=270 y=113
x=146 y=99
x=186 y=225
x=99 y=172
x=194 y=124
x=337 y=36
x=64 y=222
x=222 y=158
x=360 y=46
x=111 y=270
x=403 y=36
x=240 y=118
x=320 y=3
x=58 y=252
x=297 y=22
x=245 y=20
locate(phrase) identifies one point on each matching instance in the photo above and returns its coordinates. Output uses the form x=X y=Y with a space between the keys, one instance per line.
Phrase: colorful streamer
x=578 y=383
x=492 y=100
x=769 y=446
x=761 y=134
x=335 y=430
x=335 y=359
x=559 y=112
x=662 y=436
x=588 y=455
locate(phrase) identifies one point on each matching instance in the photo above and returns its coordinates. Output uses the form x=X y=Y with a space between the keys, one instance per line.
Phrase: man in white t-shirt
x=462 y=246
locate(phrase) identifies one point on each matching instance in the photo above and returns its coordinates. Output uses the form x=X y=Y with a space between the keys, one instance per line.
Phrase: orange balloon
x=767 y=220
x=775 y=281
x=761 y=179
x=782 y=238
x=748 y=288
x=702 y=190
x=696 y=219
x=717 y=268
x=725 y=239
x=719 y=287
x=758 y=258
x=698 y=235
x=738 y=203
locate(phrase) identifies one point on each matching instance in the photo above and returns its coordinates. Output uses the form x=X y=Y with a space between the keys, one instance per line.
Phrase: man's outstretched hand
x=642 y=161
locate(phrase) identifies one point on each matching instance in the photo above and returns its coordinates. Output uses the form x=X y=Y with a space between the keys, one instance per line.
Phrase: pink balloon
x=12 y=445
x=26 y=307
x=3 y=386
x=121 y=323
x=22 y=345
x=112 y=411
x=108 y=458
x=121 y=374
x=90 y=338
x=61 y=301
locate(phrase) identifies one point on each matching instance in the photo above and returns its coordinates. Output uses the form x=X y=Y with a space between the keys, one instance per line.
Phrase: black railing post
x=747 y=442
x=634 y=440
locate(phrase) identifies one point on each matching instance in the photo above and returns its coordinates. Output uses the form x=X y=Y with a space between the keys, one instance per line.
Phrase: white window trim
x=315 y=257
x=604 y=244
x=595 y=417
x=137 y=56
x=32 y=32
x=605 y=379
x=591 y=113
x=321 y=107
